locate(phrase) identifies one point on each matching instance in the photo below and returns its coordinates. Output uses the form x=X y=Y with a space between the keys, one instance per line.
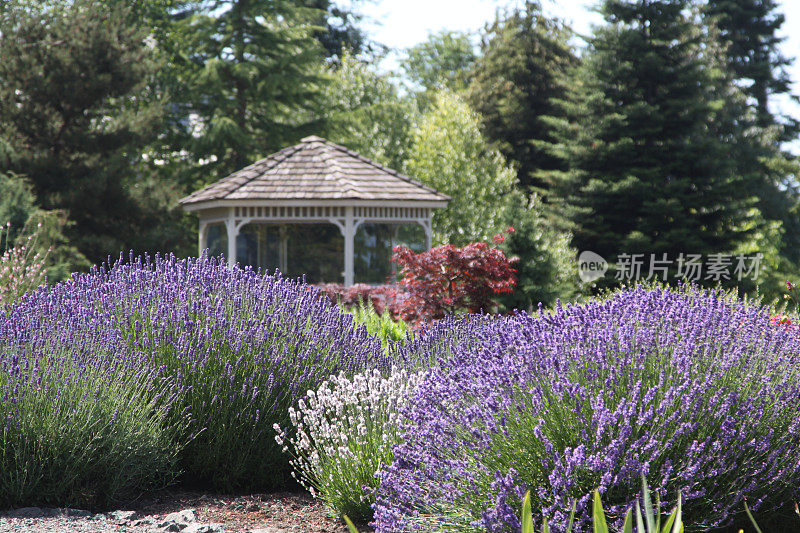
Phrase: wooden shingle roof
x=314 y=170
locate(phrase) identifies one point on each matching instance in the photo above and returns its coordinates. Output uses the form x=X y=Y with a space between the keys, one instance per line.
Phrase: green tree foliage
x=444 y=60
x=650 y=145
x=449 y=153
x=17 y=204
x=339 y=31
x=23 y=218
x=523 y=67
x=747 y=33
x=750 y=30
x=70 y=114
x=547 y=268
x=366 y=114
x=250 y=82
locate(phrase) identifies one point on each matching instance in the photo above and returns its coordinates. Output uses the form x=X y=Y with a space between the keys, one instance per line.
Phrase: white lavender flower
x=343 y=432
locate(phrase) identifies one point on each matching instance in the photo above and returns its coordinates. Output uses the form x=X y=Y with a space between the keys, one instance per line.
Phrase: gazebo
x=315 y=209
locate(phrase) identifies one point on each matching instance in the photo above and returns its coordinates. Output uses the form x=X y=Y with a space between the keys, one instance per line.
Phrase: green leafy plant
x=382 y=325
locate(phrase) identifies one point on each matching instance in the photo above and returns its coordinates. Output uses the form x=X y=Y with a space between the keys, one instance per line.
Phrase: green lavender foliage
x=81 y=434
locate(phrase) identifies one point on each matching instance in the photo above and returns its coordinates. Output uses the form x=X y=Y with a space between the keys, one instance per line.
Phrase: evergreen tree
x=23 y=218
x=523 y=67
x=71 y=119
x=747 y=33
x=251 y=81
x=749 y=28
x=339 y=32
x=650 y=144
x=547 y=269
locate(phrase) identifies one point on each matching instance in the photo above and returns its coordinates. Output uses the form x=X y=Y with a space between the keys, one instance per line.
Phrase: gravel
x=184 y=512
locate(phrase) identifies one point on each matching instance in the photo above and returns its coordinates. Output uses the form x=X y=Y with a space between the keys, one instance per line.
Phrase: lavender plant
x=236 y=348
x=342 y=434
x=437 y=342
x=81 y=421
x=694 y=390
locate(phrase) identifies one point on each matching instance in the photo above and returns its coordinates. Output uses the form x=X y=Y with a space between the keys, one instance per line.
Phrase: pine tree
x=523 y=67
x=649 y=146
x=750 y=30
x=251 y=81
x=71 y=116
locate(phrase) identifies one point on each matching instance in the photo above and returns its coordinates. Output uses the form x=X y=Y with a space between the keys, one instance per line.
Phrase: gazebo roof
x=315 y=170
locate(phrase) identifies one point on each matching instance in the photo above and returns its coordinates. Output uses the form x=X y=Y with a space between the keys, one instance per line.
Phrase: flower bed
x=207 y=357
x=698 y=392
x=121 y=380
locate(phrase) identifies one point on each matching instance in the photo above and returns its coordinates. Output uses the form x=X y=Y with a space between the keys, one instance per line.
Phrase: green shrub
x=381 y=326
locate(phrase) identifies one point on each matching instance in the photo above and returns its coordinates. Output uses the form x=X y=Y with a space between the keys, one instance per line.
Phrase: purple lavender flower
x=227 y=350
x=695 y=390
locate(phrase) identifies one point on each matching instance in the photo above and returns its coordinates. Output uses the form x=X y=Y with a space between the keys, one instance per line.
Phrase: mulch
x=271 y=512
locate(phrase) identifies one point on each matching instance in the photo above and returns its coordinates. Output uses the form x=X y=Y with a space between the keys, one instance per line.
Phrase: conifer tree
x=449 y=153
x=750 y=28
x=72 y=116
x=523 y=67
x=747 y=32
x=251 y=82
x=649 y=145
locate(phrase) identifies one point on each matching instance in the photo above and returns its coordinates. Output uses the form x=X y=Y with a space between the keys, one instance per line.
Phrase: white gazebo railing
x=347 y=218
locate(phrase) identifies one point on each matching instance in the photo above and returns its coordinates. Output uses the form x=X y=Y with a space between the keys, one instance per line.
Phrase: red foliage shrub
x=448 y=279
x=378 y=295
x=442 y=281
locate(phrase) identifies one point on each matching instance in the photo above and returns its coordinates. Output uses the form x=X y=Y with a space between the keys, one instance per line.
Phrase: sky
x=400 y=24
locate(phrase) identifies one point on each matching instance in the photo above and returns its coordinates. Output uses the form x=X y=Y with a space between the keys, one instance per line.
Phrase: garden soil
x=186 y=512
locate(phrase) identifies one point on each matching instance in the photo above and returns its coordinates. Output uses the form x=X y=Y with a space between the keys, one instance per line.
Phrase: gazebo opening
x=373 y=249
x=317 y=210
x=315 y=251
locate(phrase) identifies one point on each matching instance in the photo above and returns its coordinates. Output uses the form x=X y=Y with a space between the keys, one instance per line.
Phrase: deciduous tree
x=448 y=279
x=449 y=153
x=442 y=61
x=366 y=113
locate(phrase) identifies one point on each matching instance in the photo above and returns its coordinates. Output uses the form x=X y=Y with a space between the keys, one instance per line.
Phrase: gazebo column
x=283 y=251
x=230 y=226
x=349 y=247
x=426 y=227
x=202 y=238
